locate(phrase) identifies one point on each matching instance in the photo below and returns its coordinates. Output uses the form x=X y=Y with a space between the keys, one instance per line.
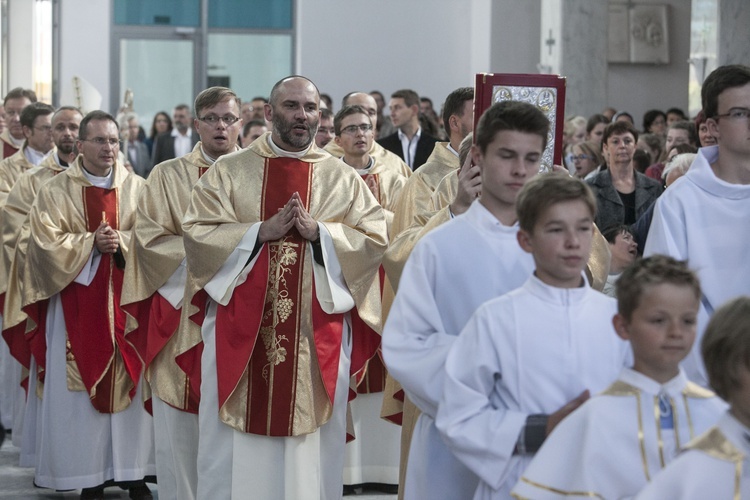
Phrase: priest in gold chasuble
x=282 y=241
x=78 y=246
x=154 y=289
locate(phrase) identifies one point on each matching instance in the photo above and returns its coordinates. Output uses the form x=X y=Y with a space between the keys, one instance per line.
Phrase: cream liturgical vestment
x=528 y=352
x=153 y=290
x=274 y=319
x=8 y=146
x=373 y=456
x=617 y=441
x=715 y=465
x=15 y=236
x=704 y=220
x=89 y=431
x=451 y=272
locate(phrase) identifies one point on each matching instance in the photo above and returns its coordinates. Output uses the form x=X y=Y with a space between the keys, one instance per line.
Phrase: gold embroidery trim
x=688 y=417
x=282 y=256
x=588 y=494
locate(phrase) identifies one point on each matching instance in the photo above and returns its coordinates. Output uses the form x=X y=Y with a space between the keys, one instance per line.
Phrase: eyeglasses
x=213 y=119
x=736 y=114
x=581 y=158
x=352 y=129
x=101 y=142
x=44 y=128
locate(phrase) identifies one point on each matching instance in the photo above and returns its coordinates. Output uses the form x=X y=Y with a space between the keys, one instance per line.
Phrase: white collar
x=288 y=154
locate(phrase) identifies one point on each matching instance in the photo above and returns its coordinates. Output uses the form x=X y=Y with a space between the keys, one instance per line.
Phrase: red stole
x=157 y=322
x=258 y=332
x=93 y=318
x=9 y=149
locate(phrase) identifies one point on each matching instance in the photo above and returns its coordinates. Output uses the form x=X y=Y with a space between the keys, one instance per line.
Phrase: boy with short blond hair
x=527 y=359
x=657 y=303
x=715 y=464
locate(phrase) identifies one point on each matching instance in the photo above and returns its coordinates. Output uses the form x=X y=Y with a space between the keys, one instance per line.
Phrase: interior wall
x=20 y=42
x=515 y=39
x=636 y=88
x=431 y=46
x=85 y=46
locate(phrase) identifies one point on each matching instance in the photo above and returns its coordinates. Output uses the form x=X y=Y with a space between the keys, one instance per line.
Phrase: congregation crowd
x=275 y=299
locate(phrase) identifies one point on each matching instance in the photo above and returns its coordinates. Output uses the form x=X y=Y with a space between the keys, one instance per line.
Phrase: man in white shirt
x=177 y=143
x=409 y=142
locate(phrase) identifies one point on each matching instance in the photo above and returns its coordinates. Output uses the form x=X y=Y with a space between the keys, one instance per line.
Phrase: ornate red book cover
x=547 y=92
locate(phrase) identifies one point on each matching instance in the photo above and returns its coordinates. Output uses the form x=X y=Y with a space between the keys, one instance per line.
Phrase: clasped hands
x=106 y=239
x=292 y=215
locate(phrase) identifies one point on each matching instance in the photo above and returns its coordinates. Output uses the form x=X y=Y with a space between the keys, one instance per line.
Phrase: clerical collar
x=102 y=182
x=288 y=154
x=362 y=171
x=210 y=160
x=35 y=157
x=60 y=162
x=16 y=142
x=450 y=148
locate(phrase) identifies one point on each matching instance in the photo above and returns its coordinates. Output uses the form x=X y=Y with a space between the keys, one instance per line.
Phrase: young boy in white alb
x=526 y=359
x=617 y=441
x=715 y=465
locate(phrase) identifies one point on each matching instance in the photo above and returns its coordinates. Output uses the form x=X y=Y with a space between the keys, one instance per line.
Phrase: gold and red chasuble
x=259 y=333
x=108 y=366
x=158 y=322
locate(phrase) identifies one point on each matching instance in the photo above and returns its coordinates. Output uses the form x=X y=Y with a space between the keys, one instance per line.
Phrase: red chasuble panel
x=8 y=150
x=93 y=318
x=546 y=92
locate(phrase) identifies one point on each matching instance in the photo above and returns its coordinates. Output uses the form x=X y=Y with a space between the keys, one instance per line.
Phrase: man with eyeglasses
x=325 y=133
x=282 y=241
x=37 y=129
x=179 y=142
x=154 y=287
x=12 y=138
x=15 y=234
x=373 y=458
x=381 y=155
x=703 y=217
x=94 y=431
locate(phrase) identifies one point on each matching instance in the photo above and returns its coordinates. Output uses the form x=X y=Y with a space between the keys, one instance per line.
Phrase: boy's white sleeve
x=479 y=433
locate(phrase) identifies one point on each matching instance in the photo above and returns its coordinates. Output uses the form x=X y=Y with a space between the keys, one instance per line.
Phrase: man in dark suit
x=409 y=141
x=177 y=143
x=135 y=151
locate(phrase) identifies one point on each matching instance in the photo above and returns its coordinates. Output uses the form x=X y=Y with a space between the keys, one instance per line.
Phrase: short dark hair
x=259 y=98
x=689 y=127
x=275 y=90
x=546 y=190
x=20 y=93
x=595 y=120
x=454 y=104
x=612 y=232
x=677 y=111
x=410 y=97
x=650 y=117
x=34 y=110
x=654 y=270
x=213 y=96
x=425 y=99
x=182 y=106
x=252 y=123
x=66 y=108
x=325 y=114
x=726 y=346
x=619 y=128
x=354 y=109
x=96 y=115
x=720 y=79
x=510 y=115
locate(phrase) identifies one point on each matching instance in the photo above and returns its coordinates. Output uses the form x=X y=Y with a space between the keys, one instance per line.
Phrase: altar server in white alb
x=703 y=218
x=716 y=464
x=527 y=359
x=617 y=441
x=450 y=272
